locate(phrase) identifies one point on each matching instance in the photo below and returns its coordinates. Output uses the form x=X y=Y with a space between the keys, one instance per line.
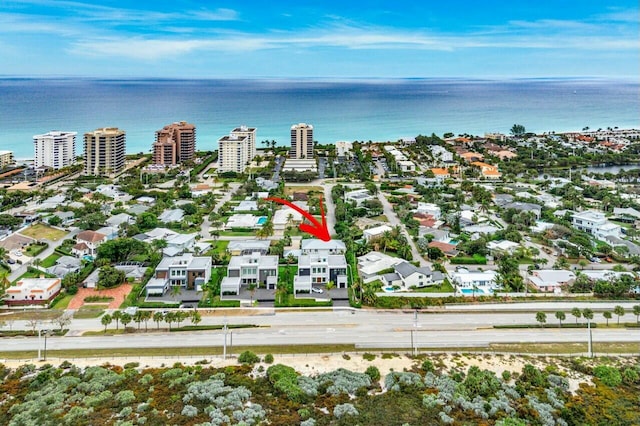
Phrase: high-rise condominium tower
x=301 y=141
x=175 y=143
x=236 y=150
x=54 y=149
x=104 y=151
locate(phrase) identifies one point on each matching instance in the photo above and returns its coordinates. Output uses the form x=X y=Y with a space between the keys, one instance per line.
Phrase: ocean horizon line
x=630 y=79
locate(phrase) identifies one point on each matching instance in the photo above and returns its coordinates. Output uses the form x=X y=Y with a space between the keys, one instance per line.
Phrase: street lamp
x=590 y=339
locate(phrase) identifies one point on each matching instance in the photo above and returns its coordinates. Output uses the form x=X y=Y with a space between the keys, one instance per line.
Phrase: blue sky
x=337 y=39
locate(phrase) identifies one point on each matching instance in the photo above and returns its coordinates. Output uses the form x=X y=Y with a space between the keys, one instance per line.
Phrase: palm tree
x=157 y=318
x=619 y=311
x=170 y=317
x=106 y=320
x=587 y=314
x=146 y=316
x=252 y=290
x=541 y=317
x=281 y=292
x=576 y=312
x=330 y=286
x=138 y=317
x=117 y=316
x=607 y=315
x=636 y=312
x=195 y=317
x=176 y=291
x=125 y=319
x=560 y=316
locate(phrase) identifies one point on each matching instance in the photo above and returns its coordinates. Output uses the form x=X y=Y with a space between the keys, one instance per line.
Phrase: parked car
x=11 y=261
x=316 y=290
x=595 y=260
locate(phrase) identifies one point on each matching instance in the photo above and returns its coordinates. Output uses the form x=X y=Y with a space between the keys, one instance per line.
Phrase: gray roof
x=137 y=209
x=315 y=244
x=249 y=245
x=518 y=205
x=392 y=276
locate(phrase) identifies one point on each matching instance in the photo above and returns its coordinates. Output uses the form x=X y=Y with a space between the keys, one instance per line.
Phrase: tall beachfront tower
x=301 y=141
x=175 y=143
x=54 y=149
x=104 y=151
x=233 y=153
x=250 y=133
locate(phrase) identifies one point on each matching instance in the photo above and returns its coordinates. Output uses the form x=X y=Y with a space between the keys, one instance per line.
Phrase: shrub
x=189 y=411
x=132 y=365
x=427 y=366
x=368 y=357
x=346 y=357
x=268 y=359
x=373 y=373
x=248 y=357
x=506 y=375
x=608 y=375
x=342 y=410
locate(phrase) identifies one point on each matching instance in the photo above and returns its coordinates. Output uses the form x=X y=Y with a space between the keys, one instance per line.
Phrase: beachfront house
x=253 y=268
x=473 y=282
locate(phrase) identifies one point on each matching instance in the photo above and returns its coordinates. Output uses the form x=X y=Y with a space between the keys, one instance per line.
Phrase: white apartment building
x=6 y=159
x=596 y=224
x=318 y=269
x=54 y=149
x=301 y=141
x=250 y=133
x=234 y=153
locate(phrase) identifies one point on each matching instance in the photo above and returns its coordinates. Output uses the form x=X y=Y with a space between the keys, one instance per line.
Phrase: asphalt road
x=363 y=328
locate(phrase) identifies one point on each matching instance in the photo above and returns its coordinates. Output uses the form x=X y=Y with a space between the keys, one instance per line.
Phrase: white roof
x=281 y=217
x=551 y=277
x=374 y=262
x=378 y=230
x=315 y=244
x=242 y=221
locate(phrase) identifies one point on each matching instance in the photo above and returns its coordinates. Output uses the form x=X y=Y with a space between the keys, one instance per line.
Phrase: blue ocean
x=376 y=110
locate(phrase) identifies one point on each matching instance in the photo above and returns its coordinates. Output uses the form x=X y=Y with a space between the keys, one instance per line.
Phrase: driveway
x=394 y=221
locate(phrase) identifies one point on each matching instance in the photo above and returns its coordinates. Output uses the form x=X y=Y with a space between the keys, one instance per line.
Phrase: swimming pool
x=388 y=289
x=454 y=242
x=479 y=291
x=262 y=220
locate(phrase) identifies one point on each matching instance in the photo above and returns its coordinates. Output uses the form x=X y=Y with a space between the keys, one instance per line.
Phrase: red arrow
x=318 y=229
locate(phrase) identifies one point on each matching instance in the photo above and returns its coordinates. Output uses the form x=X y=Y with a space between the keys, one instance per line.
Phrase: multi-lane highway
x=363 y=328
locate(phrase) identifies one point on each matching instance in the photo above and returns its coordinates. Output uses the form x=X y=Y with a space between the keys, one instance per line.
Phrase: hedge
x=475 y=260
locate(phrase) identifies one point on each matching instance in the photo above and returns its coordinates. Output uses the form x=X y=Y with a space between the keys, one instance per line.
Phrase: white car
x=316 y=290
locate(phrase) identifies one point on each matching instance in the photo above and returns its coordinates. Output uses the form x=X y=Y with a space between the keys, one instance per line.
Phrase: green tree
x=110 y=277
x=195 y=317
x=146 y=316
x=54 y=221
x=117 y=316
x=587 y=314
x=509 y=274
x=121 y=249
x=541 y=317
x=636 y=312
x=560 y=316
x=607 y=315
x=106 y=320
x=147 y=221
x=619 y=311
x=157 y=318
x=518 y=130
x=576 y=312
x=138 y=317
x=125 y=319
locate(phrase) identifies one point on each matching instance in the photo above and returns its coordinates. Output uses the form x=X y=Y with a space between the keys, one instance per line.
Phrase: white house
x=377 y=232
x=412 y=276
x=372 y=263
x=315 y=246
x=253 y=268
x=548 y=280
x=358 y=196
x=33 y=291
x=466 y=281
x=505 y=246
x=186 y=271
x=87 y=243
x=314 y=269
x=596 y=224
x=429 y=208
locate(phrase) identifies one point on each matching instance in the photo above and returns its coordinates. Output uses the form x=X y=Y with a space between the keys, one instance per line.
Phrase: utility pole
x=224 y=346
x=590 y=341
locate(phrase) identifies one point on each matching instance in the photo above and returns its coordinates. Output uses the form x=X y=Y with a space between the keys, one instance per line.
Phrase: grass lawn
x=291 y=301
x=26 y=315
x=39 y=231
x=34 y=274
x=92 y=311
x=531 y=348
x=444 y=288
x=35 y=249
x=381 y=218
x=291 y=189
x=218 y=247
x=63 y=302
x=237 y=234
x=49 y=261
